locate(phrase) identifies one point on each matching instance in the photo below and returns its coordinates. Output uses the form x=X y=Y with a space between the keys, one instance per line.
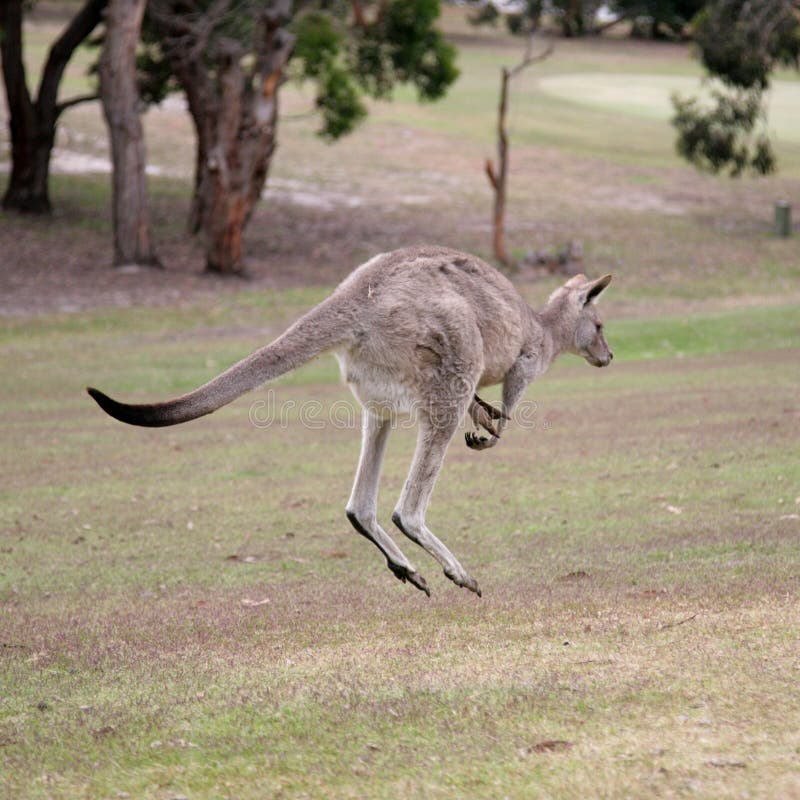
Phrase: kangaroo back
x=322 y=328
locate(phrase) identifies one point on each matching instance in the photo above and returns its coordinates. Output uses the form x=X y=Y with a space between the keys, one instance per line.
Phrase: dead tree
x=498 y=174
x=121 y=107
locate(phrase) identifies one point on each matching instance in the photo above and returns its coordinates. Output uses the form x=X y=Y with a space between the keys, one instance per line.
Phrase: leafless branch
x=529 y=57
x=74 y=101
x=498 y=173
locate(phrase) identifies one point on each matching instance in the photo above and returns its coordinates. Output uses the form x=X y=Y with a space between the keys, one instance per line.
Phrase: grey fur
x=419 y=331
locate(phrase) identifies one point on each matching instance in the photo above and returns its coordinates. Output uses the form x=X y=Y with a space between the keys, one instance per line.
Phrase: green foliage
x=417 y=51
x=318 y=43
x=484 y=14
x=399 y=45
x=521 y=22
x=527 y=21
x=153 y=72
x=741 y=42
x=674 y=15
x=340 y=103
x=344 y=61
x=320 y=47
x=724 y=136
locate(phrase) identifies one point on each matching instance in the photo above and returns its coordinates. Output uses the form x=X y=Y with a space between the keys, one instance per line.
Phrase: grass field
x=186 y=613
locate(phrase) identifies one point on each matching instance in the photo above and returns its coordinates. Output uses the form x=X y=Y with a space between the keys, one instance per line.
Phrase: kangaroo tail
x=320 y=329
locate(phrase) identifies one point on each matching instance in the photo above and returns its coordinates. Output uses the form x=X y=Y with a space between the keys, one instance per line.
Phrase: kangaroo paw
x=405 y=574
x=476 y=442
x=487 y=417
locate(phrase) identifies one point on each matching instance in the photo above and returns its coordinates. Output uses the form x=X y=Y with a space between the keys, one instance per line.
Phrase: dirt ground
x=328 y=245
x=414 y=175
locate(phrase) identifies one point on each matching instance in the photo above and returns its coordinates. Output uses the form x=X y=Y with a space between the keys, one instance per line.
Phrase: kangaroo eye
x=599 y=327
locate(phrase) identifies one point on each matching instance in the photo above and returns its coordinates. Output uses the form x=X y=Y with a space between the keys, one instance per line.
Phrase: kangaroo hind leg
x=409 y=515
x=362 y=508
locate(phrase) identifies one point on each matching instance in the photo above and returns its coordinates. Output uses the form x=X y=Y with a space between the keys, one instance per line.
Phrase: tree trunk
x=27 y=186
x=32 y=125
x=132 y=243
x=498 y=176
x=233 y=174
x=234 y=107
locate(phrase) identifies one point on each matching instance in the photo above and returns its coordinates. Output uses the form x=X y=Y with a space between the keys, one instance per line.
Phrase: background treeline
x=230 y=58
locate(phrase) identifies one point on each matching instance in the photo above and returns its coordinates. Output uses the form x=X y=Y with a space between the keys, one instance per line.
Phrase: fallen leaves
x=546 y=746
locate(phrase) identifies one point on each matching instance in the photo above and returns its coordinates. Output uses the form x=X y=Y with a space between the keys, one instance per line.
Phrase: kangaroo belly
x=377 y=388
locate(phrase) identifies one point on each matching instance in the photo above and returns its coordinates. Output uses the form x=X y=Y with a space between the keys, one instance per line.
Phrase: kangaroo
x=417 y=330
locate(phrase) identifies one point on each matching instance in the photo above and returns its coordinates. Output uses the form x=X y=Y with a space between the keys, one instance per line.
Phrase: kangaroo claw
x=476 y=442
x=417 y=580
x=404 y=574
x=465 y=582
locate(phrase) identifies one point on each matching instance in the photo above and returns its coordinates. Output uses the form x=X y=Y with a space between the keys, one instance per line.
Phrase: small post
x=783 y=218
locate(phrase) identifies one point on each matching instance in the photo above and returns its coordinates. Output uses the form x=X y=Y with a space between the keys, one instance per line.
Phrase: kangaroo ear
x=576 y=281
x=591 y=291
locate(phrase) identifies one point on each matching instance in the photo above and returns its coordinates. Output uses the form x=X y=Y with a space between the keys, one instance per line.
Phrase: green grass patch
x=746 y=329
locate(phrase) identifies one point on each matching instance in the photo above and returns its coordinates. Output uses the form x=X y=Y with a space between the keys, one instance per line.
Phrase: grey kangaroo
x=416 y=331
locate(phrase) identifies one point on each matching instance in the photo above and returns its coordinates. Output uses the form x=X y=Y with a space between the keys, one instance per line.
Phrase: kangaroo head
x=579 y=319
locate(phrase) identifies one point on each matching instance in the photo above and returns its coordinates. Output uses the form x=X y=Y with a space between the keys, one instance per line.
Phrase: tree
x=740 y=42
x=231 y=57
x=575 y=17
x=120 y=95
x=32 y=122
x=498 y=173
x=520 y=18
x=659 y=17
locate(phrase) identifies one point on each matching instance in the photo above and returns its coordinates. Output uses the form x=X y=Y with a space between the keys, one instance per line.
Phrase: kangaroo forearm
x=514 y=387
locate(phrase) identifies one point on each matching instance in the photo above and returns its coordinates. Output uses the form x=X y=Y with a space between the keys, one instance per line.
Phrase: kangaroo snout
x=596 y=361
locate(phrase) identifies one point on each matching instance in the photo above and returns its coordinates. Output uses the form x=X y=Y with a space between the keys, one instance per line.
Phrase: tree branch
x=82 y=24
x=74 y=101
x=529 y=58
x=490 y=174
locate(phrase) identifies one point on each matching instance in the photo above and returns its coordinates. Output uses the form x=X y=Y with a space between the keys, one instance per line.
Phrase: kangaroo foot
x=476 y=442
x=405 y=574
x=464 y=581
